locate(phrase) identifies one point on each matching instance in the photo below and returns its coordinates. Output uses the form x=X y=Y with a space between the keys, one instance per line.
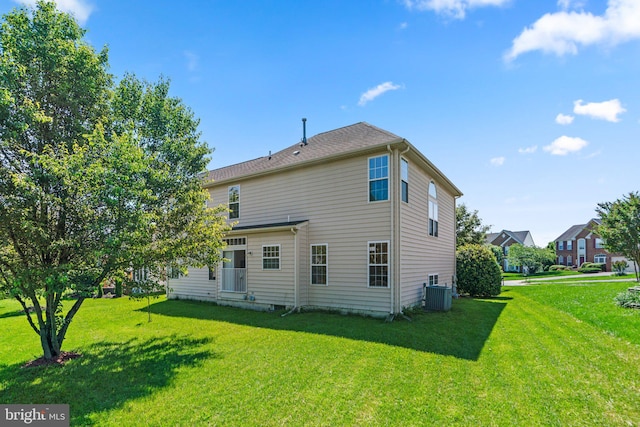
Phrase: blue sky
x=532 y=108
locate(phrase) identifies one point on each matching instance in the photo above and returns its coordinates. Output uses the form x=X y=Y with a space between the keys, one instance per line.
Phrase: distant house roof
x=353 y=139
x=521 y=237
x=574 y=230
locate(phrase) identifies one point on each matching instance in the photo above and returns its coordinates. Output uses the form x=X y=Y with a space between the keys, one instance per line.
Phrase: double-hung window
x=569 y=245
x=319 y=264
x=379 y=178
x=271 y=257
x=433 y=279
x=561 y=245
x=433 y=210
x=379 y=264
x=234 y=202
x=404 y=171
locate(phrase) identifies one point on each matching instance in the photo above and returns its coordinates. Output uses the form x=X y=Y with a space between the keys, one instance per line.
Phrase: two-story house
x=505 y=239
x=355 y=219
x=580 y=244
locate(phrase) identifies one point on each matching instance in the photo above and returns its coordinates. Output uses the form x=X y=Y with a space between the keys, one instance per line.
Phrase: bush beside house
x=478 y=271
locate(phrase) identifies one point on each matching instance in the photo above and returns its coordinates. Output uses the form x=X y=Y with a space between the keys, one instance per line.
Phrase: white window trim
x=600 y=256
x=378 y=179
x=279 y=257
x=387 y=264
x=437 y=275
x=432 y=200
x=239 y=199
x=311 y=264
x=403 y=160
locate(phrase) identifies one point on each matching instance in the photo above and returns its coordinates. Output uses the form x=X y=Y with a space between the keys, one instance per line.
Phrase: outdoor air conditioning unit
x=437 y=298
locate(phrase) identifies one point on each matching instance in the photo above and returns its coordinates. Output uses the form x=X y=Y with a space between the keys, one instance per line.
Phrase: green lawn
x=537 y=355
x=519 y=276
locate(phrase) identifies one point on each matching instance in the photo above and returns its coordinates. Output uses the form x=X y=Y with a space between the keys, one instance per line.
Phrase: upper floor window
x=404 y=171
x=433 y=210
x=271 y=257
x=234 y=202
x=378 y=178
x=569 y=245
x=561 y=245
x=581 y=244
x=599 y=243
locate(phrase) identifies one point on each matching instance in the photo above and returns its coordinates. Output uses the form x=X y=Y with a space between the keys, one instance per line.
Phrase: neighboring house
x=355 y=219
x=506 y=238
x=581 y=243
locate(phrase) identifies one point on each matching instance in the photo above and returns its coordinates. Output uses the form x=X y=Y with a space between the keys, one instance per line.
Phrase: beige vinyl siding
x=269 y=286
x=334 y=199
x=195 y=285
x=420 y=253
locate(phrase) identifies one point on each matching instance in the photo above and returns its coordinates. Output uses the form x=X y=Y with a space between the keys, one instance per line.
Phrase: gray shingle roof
x=517 y=236
x=347 y=139
x=573 y=231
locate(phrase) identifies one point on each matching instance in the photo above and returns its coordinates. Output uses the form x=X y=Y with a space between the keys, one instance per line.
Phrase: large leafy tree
x=469 y=227
x=620 y=227
x=95 y=178
x=531 y=258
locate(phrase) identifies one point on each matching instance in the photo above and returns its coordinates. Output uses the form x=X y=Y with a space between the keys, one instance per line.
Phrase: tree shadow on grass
x=106 y=376
x=461 y=332
x=12 y=314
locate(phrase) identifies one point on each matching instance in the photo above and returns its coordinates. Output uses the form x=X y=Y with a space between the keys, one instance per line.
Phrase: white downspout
x=399 y=239
x=391 y=240
x=295 y=273
x=295 y=267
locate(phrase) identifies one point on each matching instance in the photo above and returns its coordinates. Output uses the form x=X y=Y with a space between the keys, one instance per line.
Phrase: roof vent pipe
x=304 y=131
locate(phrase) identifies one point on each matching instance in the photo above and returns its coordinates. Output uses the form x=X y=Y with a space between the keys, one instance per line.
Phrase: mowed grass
x=519 y=359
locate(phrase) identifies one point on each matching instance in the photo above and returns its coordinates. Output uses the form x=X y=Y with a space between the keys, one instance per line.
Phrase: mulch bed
x=60 y=360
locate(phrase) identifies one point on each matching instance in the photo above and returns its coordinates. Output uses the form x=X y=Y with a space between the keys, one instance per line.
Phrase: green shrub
x=591 y=267
x=100 y=291
x=478 y=271
x=628 y=299
x=619 y=267
x=118 y=284
x=559 y=268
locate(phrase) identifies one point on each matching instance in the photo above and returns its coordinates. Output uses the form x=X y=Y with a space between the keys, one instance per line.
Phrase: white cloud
x=570 y=4
x=452 y=8
x=375 y=92
x=192 y=60
x=565 y=145
x=562 y=32
x=498 y=161
x=403 y=25
x=528 y=150
x=80 y=9
x=607 y=110
x=563 y=119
